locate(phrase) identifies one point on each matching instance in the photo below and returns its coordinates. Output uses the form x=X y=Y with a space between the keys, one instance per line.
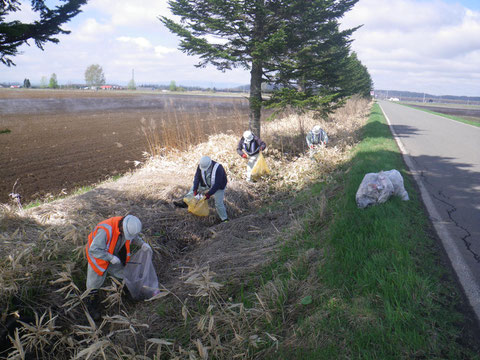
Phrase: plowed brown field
x=62 y=140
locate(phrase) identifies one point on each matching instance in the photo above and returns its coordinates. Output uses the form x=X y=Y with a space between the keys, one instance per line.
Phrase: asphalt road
x=444 y=157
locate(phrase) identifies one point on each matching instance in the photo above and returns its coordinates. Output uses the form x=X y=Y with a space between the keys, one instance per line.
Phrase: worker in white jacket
x=316 y=138
x=249 y=147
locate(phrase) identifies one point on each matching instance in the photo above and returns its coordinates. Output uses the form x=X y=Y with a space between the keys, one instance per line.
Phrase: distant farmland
x=468 y=112
x=62 y=140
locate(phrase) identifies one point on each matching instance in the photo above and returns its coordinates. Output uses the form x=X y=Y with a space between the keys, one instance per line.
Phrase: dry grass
x=43 y=267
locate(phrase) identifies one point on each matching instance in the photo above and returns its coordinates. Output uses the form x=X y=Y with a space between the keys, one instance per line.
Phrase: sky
x=430 y=46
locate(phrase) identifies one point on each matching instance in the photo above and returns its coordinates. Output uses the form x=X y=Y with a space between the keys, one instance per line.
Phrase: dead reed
x=177 y=129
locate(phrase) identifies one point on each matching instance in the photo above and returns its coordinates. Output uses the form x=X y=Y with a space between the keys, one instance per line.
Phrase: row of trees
x=44 y=82
x=294 y=45
x=94 y=76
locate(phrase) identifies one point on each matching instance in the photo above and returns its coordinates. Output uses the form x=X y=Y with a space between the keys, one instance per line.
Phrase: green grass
x=5 y=131
x=452 y=117
x=365 y=284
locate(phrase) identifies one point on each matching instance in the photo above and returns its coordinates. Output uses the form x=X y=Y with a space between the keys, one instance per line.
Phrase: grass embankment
x=370 y=283
x=452 y=117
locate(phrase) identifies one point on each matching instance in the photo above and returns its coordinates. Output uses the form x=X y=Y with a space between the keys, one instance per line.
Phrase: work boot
x=180 y=204
x=93 y=305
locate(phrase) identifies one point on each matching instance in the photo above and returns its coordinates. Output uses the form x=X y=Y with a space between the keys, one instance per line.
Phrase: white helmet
x=316 y=129
x=131 y=227
x=248 y=136
x=205 y=162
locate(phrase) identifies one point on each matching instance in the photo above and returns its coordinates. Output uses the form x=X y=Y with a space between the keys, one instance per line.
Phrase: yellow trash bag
x=261 y=167
x=197 y=207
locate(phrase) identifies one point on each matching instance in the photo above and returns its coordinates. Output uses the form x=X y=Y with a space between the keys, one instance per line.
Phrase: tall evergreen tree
x=15 y=33
x=355 y=78
x=292 y=44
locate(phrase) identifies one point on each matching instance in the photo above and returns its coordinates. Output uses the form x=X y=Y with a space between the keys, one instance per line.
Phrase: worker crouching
x=249 y=147
x=108 y=251
x=210 y=180
x=316 y=139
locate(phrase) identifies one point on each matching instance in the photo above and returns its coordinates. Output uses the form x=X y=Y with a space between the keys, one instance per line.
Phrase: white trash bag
x=140 y=276
x=397 y=181
x=376 y=188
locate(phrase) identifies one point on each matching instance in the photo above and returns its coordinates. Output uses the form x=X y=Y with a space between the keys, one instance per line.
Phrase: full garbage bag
x=140 y=276
x=397 y=182
x=196 y=206
x=376 y=188
x=261 y=167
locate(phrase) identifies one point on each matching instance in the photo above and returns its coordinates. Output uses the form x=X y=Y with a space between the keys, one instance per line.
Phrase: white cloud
x=140 y=42
x=24 y=14
x=131 y=13
x=418 y=45
x=91 y=30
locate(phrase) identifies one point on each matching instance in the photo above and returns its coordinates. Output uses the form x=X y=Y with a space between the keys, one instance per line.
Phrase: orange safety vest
x=110 y=226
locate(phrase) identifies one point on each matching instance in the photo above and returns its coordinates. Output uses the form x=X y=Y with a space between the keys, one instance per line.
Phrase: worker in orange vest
x=108 y=251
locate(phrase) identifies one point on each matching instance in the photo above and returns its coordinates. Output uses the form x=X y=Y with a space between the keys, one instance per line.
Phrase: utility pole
x=424 y=97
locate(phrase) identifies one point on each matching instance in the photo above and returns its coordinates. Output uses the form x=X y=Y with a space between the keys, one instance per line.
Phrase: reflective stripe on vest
x=252 y=144
x=111 y=228
x=316 y=138
x=212 y=176
x=214 y=173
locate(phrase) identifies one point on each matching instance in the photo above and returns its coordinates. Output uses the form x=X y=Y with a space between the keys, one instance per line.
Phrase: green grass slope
x=366 y=283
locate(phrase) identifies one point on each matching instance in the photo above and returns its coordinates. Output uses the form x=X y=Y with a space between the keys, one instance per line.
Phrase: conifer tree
x=15 y=33
x=293 y=45
x=355 y=78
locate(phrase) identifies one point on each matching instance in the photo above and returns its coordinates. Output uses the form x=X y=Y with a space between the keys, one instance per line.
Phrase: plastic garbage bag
x=196 y=206
x=140 y=276
x=261 y=167
x=397 y=182
x=376 y=188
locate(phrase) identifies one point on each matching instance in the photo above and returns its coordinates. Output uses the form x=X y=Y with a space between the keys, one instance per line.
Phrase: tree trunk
x=256 y=73
x=255 y=97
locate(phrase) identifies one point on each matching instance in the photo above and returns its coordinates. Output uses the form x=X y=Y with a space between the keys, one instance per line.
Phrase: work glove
x=244 y=156
x=146 y=247
x=311 y=146
x=207 y=196
x=115 y=260
x=195 y=192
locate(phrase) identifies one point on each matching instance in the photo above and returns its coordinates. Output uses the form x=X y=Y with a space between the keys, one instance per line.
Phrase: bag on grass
x=140 y=276
x=261 y=167
x=376 y=188
x=397 y=182
x=197 y=207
